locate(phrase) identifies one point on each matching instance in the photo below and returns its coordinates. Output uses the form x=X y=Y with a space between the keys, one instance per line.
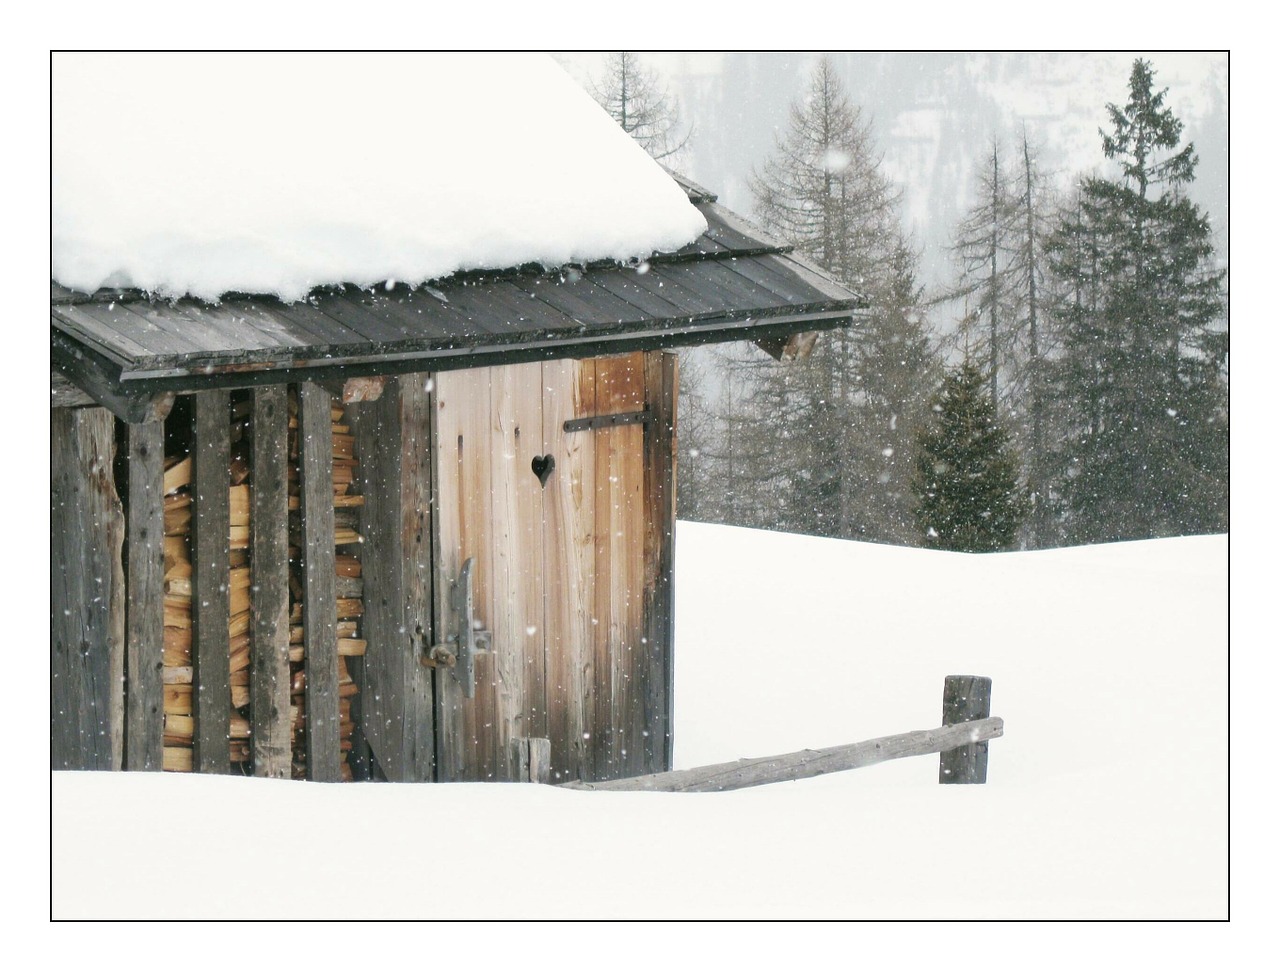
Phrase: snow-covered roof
x=205 y=173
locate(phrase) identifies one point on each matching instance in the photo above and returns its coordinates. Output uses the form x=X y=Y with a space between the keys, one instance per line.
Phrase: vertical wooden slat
x=465 y=746
x=382 y=701
x=515 y=608
x=210 y=582
x=396 y=700
x=319 y=598
x=87 y=635
x=629 y=641
x=448 y=488
x=661 y=382
x=269 y=593
x=144 y=619
x=569 y=567
x=417 y=496
x=619 y=536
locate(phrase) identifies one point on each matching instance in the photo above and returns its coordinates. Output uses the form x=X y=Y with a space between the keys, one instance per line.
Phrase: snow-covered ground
x=1107 y=795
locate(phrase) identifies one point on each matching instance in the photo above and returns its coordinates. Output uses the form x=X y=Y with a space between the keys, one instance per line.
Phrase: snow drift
x=1106 y=797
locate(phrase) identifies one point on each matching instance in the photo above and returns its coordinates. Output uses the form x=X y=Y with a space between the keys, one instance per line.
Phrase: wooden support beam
x=269 y=591
x=806 y=763
x=965 y=699
x=661 y=381
x=210 y=581
x=789 y=347
x=86 y=593
x=64 y=393
x=144 y=619
x=100 y=379
x=319 y=601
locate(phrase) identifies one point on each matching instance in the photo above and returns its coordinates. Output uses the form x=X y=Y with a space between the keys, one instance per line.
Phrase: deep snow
x=1107 y=796
x=204 y=173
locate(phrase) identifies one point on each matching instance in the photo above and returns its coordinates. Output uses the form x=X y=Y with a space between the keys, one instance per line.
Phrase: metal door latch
x=458 y=654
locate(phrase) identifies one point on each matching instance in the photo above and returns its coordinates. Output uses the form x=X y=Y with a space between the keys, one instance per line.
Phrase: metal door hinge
x=607 y=421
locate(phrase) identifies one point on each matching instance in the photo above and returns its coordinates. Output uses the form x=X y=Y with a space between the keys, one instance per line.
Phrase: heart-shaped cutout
x=542 y=467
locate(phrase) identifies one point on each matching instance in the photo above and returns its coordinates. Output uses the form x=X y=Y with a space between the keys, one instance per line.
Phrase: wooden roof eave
x=138 y=391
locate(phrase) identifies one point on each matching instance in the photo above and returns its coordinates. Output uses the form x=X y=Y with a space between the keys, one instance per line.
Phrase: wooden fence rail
x=808 y=762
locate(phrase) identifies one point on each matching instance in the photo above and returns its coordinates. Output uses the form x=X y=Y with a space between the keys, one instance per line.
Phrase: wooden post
x=211 y=582
x=87 y=637
x=965 y=698
x=661 y=382
x=269 y=595
x=319 y=597
x=532 y=759
x=144 y=617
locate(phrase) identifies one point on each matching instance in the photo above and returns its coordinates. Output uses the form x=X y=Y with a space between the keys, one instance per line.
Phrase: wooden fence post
x=965 y=698
x=532 y=756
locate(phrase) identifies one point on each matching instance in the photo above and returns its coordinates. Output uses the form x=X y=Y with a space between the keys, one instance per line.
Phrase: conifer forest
x=1063 y=381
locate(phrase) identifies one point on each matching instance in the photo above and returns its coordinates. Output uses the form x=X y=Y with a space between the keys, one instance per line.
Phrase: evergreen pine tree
x=966 y=478
x=824 y=440
x=1142 y=376
x=1000 y=252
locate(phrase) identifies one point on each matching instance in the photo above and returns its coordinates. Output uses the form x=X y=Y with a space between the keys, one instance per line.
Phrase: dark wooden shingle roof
x=732 y=283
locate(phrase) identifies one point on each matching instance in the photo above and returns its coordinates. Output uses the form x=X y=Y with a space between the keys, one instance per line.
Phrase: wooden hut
x=407 y=534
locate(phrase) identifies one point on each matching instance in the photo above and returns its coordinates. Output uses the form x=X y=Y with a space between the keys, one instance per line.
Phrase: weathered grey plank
x=628 y=286
x=64 y=393
x=269 y=599
x=98 y=377
x=727 y=227
x=580 y=298
x=676 y=287
x=531 y=759
x=86 y=593
x=661 y=382
x=806 y=763
x=417 y=490
x=319 y=602
x=144 y=649
x=382 y=699
x=965 y=698
x=210 y=582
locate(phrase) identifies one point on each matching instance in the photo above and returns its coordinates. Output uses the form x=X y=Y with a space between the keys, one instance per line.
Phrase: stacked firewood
x=179 y=727
x=179 y=722
x=349 y=585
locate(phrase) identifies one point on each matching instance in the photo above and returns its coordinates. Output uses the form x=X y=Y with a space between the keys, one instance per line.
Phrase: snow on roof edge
x=439 y=175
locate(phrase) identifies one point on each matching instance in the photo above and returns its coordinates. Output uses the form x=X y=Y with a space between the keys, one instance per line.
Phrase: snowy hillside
x=1107 y=796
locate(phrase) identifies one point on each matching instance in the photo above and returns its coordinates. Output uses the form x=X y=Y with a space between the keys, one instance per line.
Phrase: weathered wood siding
x=210 y=583
x=319 y=598
x=568 y=575
x=662 y=381
x=144 y=619
x=86 y=593
x=392 y=438
x=269 y=600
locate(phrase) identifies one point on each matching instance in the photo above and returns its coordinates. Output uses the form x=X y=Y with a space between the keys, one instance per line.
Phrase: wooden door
x=568 y=577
